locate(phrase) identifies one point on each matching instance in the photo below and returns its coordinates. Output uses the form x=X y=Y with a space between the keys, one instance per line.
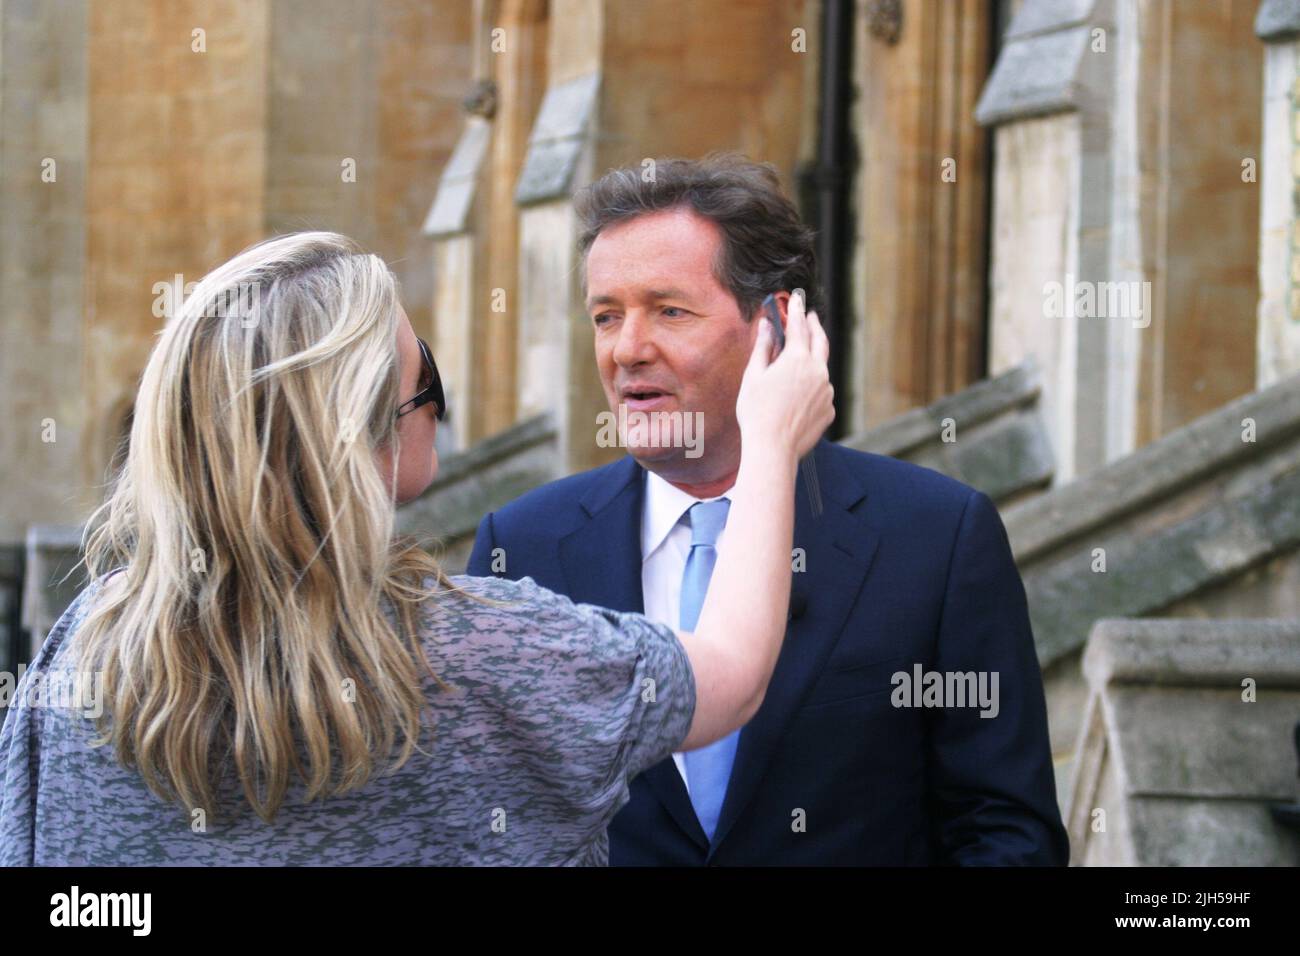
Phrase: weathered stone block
x=1177 y=763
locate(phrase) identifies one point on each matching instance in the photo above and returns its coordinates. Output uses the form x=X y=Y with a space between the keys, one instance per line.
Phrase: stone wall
x=1125 y=235
x=146 y=141
x=44 y=145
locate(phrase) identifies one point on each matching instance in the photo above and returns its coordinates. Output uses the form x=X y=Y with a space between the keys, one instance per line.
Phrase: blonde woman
x=285 y=682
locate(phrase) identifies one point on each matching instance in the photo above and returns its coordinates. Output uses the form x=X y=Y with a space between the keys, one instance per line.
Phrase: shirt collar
x=665 y=504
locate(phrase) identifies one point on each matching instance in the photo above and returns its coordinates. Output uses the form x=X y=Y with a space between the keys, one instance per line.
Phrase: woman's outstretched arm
x=783 y=408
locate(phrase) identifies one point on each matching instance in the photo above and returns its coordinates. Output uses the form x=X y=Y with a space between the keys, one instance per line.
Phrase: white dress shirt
x=665 y=545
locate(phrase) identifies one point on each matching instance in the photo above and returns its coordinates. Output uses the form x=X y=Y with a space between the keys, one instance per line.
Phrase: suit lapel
x=601 y=563
x=612 y=528
x=838 y=548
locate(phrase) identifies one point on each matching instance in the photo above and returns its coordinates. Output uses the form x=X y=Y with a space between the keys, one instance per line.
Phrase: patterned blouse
x=555 y=707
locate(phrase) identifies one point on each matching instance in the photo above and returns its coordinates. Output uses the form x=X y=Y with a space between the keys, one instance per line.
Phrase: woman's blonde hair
x=257 y=534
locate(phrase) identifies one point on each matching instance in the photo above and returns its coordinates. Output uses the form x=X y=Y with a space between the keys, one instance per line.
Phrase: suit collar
x=612 y=503
x=838 y=484
x=663 y=506
x=611 y=482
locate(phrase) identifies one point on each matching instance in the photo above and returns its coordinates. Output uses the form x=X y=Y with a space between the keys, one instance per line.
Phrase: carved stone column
x=920 y=257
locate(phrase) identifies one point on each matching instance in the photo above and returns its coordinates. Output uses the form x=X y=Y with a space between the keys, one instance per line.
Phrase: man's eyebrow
x=655 y=294
x=668 y=294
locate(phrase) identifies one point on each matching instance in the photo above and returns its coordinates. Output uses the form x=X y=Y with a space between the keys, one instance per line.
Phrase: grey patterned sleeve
x=661 y=692
x=18 y=772
x=599 y=695
x=20 y=743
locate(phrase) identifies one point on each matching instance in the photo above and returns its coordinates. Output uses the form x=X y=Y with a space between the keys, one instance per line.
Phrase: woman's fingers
x=821 y=346
x=796 y=324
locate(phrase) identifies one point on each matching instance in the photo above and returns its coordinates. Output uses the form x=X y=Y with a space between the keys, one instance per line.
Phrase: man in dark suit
x=905 y=723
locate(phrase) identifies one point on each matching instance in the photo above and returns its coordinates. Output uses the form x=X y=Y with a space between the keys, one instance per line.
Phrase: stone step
x=1183 y=515
x=989 y=435
x=1186 y=744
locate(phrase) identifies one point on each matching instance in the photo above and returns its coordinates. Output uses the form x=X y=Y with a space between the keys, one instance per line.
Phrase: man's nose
x=635 y=340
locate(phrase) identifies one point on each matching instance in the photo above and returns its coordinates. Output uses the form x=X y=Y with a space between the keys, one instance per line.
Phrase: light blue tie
x=709 y=768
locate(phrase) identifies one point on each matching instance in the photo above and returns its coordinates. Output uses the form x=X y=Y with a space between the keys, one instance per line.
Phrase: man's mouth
x=644 y=399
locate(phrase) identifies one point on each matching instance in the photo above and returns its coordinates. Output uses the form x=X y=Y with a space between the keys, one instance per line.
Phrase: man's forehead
x=657 y=255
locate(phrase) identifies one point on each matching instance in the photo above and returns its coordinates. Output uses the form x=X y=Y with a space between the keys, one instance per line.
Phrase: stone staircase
x=1199 y=524
x=1176 y=521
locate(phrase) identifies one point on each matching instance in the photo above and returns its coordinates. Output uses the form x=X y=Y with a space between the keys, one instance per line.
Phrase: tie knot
x=708 y=518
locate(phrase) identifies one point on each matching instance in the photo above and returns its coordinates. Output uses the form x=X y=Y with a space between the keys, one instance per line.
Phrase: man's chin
x=651 y=456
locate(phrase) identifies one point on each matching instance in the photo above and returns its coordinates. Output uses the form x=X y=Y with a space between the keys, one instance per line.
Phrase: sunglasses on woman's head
x=428 y=393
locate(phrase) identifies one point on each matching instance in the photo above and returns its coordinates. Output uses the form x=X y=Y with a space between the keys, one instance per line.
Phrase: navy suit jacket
x=904 y=567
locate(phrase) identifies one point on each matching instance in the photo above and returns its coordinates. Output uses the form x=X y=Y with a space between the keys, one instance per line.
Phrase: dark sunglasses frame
x=432 y=392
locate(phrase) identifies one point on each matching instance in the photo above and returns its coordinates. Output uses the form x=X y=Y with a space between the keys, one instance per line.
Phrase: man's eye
x=673 y=309
x=602 y=318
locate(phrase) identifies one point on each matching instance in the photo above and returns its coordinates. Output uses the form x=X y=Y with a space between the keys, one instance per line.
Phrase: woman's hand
x=787 y=404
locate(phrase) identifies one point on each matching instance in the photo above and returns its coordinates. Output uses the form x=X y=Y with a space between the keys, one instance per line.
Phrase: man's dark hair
x=765 y=247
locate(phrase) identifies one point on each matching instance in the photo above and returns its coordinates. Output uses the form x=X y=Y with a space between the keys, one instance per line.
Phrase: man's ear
x=782 y=306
